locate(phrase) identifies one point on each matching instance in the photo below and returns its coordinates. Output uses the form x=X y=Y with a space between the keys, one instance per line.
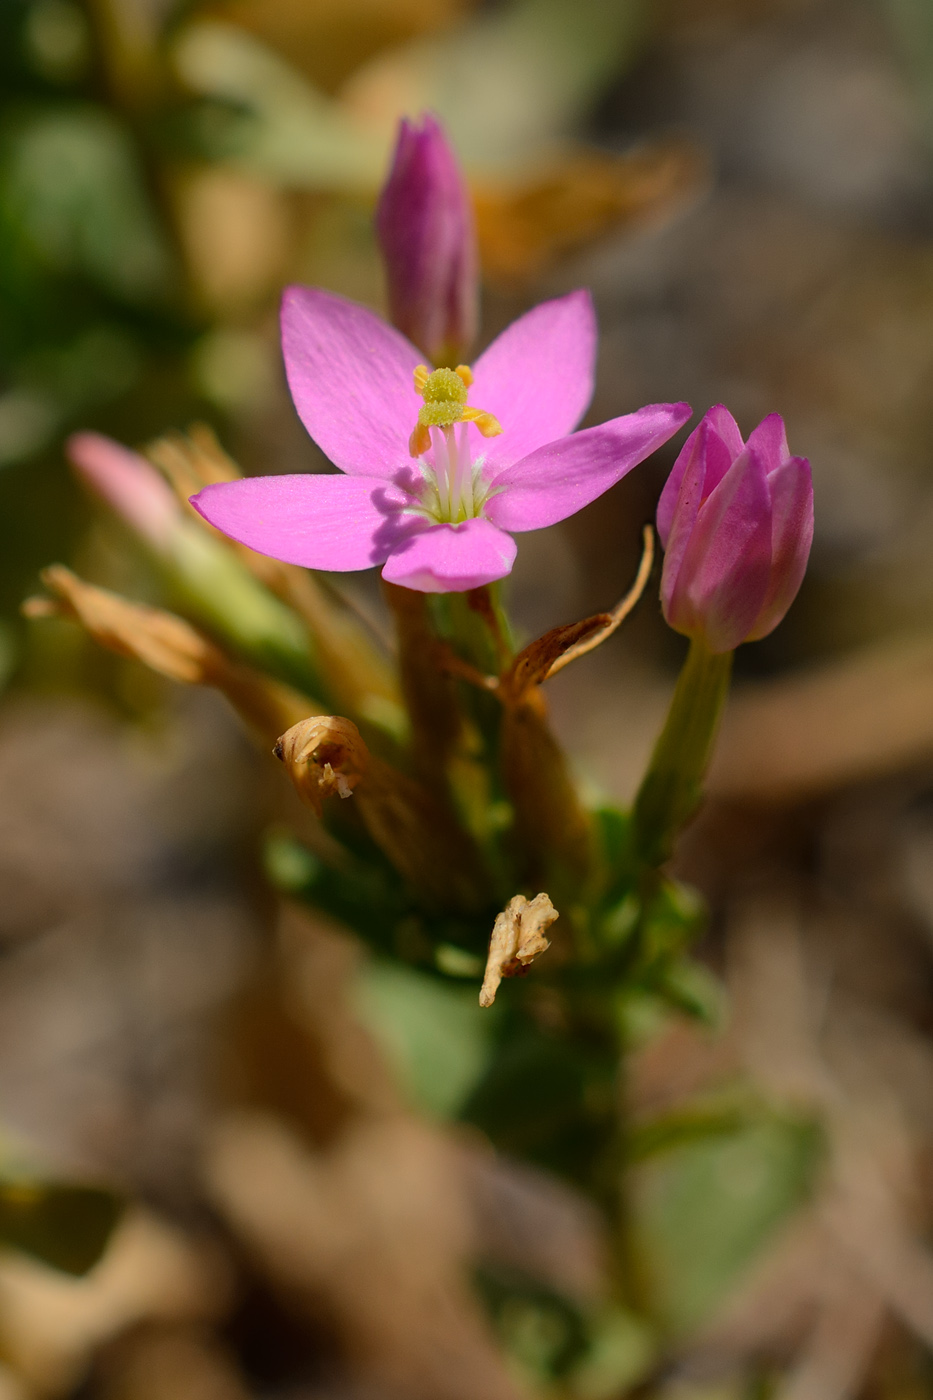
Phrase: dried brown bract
x=517 y=939
x=168 y=645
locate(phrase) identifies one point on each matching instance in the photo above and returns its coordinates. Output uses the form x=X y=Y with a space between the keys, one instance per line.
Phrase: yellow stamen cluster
x=445 y=403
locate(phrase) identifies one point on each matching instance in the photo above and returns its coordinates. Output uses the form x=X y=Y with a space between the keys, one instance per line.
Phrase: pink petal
x=452 y=558
x=726 y=566
x=350 y=377
x=722 y=444
x=322 y=522
x=791 y=537
x=129 y=484
x=770 y=439
x=563 y=477
x=537 y=377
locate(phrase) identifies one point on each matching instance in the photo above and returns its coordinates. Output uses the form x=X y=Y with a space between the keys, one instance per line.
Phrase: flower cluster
x=433 y=486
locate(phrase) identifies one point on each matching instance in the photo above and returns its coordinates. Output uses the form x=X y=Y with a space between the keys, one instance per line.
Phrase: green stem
x=672 y=787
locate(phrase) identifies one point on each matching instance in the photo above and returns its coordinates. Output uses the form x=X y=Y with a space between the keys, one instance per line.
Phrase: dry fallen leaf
x=517 y=939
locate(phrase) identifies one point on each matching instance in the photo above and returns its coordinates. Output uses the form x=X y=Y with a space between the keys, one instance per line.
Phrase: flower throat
x=454 y=489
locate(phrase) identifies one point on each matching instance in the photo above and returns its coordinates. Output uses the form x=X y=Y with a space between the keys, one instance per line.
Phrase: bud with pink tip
x=424 y=223
x=129 y=484
x=736 y=523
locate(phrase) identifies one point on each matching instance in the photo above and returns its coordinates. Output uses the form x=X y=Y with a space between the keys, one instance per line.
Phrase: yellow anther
x=488 y=425
x=445 y=403
x=420 y=440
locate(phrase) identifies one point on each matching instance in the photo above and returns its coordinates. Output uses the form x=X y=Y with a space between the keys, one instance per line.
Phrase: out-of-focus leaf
x=508 y=85
x=701 y=1123
x=674 y=918
x=694 y=989
x=70 y=184
x=912 y=23
x=331 y=38
x=436 y=1036
x=622 y=1348
x=65 y=1226
x=297 y=135
x=546 y=1098
x=543 y=1333
x=704 y=1210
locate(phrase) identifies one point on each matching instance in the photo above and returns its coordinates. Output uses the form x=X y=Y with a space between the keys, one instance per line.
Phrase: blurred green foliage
x=63 y=1225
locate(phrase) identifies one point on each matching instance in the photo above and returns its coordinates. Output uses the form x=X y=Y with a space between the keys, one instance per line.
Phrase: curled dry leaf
x=325 y=757
x=168 y=645
x=517 y=939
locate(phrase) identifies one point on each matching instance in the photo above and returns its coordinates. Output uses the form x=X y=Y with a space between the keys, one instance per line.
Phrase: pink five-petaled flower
x=736 y=523
x=437 y=521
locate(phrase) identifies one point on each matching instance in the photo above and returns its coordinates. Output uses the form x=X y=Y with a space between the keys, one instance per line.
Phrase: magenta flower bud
x=736 y=523
x=129 y=484
x=424 y=222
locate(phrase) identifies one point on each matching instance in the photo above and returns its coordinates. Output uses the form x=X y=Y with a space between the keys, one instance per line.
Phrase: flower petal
x=350 y=377
x=322 y=522
x=791 y=537
x=723 y=579
x=563 y=477
x=770 y=439
x=452 y=558
x=722 y=443
x=537 y=377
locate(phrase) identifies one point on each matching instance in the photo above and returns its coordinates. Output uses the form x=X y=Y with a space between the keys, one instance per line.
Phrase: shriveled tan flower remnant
x=517 y=939
x=325 y=757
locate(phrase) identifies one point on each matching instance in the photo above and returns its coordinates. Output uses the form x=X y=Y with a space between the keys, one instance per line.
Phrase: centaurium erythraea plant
x=467 y=807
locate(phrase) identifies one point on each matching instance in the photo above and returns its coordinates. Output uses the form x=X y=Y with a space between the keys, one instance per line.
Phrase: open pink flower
x=436 y=521
x=736 y=523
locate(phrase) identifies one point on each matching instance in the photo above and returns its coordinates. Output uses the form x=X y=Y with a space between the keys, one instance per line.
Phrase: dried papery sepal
x=617 y=615
x=404 y=818
x=169 y=645
x=517 y=939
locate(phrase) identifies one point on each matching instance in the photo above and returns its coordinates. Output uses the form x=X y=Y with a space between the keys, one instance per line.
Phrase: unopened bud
x=129 y=485
x=424 y=223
